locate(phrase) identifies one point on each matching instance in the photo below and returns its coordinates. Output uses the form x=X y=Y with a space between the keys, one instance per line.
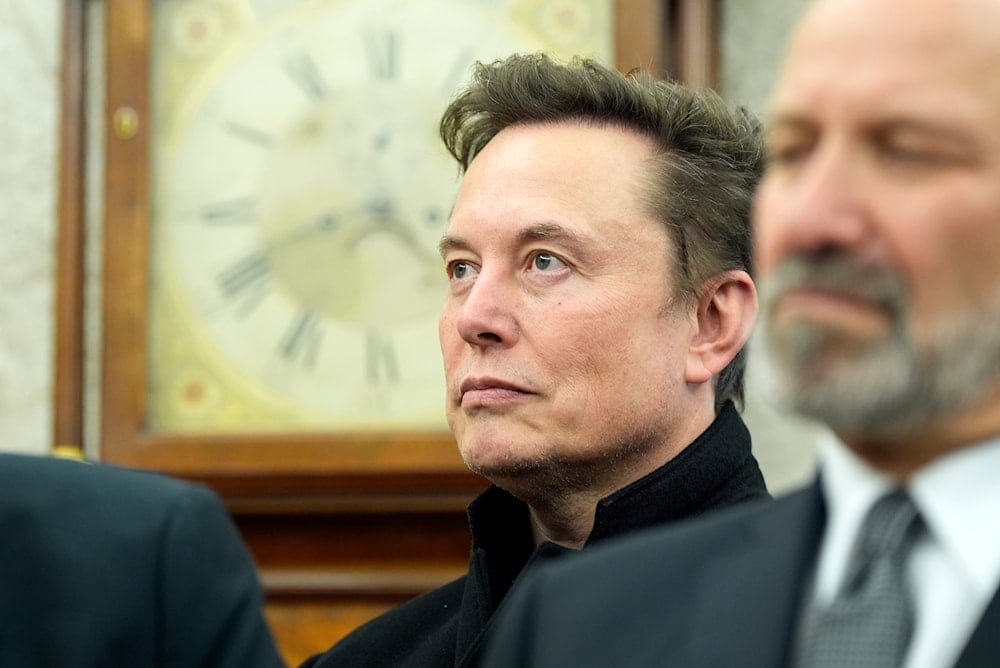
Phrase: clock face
x=300 y=190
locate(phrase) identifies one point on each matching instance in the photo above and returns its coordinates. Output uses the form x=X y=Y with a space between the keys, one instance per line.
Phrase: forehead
x=587 y=178
x=871 y=58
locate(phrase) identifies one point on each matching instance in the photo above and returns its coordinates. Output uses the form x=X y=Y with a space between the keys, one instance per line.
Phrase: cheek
x=584 y=350
x=447 y=338
x=954 y=276
x=624 y=343
x=944 y=248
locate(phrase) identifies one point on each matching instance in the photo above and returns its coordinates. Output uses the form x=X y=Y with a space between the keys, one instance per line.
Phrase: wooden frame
x=68 y=366
x=300 y=464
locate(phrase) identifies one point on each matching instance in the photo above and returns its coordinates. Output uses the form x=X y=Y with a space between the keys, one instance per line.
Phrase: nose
x=818 y=207
x=486 y=314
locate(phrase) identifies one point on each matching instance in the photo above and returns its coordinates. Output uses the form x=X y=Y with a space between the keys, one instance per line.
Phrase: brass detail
x=68 y=451
x=125 y=122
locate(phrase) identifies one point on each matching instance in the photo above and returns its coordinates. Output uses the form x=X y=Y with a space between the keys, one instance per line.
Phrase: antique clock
x=274 y=193
x=299 y=192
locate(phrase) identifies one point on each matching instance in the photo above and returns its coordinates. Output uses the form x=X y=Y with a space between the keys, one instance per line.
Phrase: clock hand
x=327 y=222
x=384 y=219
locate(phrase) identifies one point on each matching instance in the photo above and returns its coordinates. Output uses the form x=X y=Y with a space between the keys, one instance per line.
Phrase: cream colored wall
x=752 y=37
x=29 y=95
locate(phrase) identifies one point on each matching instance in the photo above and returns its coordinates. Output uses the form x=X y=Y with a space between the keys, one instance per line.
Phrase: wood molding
x=694 y=53
x=669 y=38
x=126 y=212
x=640 y=35
x=68 y=365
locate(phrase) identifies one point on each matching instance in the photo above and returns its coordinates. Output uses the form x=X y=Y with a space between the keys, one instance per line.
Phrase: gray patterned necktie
x=870 y=622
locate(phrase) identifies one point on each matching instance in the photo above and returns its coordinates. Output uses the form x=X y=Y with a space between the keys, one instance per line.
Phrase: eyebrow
x=450 y=243
x=538 y=231
x=929 y=128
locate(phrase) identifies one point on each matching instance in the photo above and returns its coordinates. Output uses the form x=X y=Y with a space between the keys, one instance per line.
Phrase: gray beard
x=885 y=388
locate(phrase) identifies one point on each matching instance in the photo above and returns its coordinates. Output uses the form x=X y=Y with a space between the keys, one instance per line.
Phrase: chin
x=488 y=461
x=496 y=460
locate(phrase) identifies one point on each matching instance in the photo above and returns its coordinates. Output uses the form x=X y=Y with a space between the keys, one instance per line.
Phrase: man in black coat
x=104 y=566
x=598 y=255
x=878 y=244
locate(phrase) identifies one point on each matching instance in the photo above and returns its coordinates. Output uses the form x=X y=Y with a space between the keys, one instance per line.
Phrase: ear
x=724 y=316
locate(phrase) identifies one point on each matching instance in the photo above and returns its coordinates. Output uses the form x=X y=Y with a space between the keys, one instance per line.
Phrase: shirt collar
x=957 y=494
x=850 y=487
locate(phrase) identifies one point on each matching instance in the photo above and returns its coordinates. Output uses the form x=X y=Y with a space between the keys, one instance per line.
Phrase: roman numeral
x=246 y=281
x=302 y=70
x=249 y=134
x=380 y=358
x=302 y=340
x=382 y=47
x=229 y=212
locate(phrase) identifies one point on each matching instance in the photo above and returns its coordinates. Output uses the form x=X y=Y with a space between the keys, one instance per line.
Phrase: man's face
x=562 y=350
x=878 y=220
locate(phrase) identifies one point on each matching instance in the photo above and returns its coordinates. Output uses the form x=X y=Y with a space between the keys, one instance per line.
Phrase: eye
x=460 y=270
x=909 y=154
x=543 y=261
x=786 y=154
x=789 y=145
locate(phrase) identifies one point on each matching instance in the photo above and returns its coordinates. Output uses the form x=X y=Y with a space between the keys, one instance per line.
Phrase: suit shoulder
x=682 y=543
x=68 y=477
x=70 y=493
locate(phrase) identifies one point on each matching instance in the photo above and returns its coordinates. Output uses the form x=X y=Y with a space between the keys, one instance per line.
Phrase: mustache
x=839 y=273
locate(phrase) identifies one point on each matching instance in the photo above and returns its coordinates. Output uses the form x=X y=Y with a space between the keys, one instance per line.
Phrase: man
x=102 y=566
x=878 y=238
x=599 y=300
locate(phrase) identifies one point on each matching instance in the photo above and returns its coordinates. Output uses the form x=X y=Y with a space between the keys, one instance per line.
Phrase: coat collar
x=687 y=485
x=769 y=559
x=981 y=649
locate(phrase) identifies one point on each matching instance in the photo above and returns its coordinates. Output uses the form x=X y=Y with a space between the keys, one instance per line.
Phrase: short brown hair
x=703 y=179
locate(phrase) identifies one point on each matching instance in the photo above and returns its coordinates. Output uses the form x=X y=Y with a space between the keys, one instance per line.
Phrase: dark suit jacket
x=446 y=627
x=101 y=566
x=718 y=592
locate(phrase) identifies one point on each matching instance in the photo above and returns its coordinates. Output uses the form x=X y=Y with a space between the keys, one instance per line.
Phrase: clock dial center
x=336 y=236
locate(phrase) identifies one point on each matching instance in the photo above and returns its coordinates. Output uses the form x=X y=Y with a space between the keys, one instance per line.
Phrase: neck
x=569 y=526
x=563 y=501
x=903 y=454
x=567 y=523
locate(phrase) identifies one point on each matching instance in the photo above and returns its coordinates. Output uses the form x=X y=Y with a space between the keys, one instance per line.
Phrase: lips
x=477 y=392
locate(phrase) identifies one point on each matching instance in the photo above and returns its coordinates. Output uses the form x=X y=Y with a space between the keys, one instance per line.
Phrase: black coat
x=102 y=566
x=723 y=591
x=446 y=627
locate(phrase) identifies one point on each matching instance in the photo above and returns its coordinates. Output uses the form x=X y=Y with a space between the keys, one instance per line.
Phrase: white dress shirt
x=954 y=569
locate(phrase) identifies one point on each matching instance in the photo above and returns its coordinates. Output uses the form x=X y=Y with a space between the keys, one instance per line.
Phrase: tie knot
x=888 y=530
x=871 y=620
x=890 y=523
